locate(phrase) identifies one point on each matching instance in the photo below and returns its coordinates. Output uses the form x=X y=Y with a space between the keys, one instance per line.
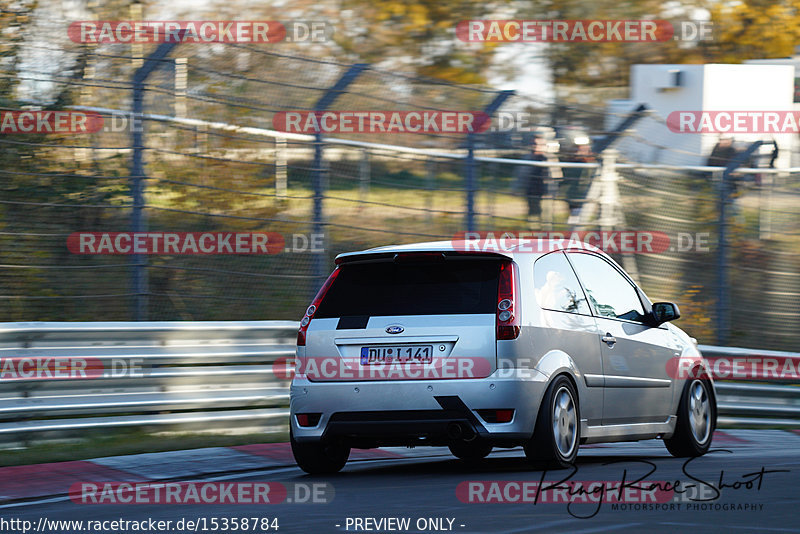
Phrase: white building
x=755 y=86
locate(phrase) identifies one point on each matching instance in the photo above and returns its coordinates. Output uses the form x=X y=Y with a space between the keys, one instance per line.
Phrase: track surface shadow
x=492 y=465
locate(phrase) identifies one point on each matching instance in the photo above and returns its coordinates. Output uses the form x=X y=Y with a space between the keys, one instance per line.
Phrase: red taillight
x=304 y=322
x=507 y=311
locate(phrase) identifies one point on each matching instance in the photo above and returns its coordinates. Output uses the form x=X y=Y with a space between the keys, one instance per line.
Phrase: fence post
x=470 y=185
x=765 y=206
x=136 y=12
x=430 y=177
x=490 y=191
x=478 y=126
x=722 y=260
x=318 y=261
x=609 y=192
x=281 y=183
x=137 y=195
x=318 y=265
x=181 y=79
x=723 y=296
x=139 y=275
x=363 y=175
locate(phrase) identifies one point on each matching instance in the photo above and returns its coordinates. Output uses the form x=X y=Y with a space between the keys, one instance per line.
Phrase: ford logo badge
x=394 y=329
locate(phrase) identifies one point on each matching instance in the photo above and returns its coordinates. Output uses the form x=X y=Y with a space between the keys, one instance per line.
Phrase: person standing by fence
x=537 y=177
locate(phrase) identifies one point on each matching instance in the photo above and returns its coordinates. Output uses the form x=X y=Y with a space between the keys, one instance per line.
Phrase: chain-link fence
x=213 y=161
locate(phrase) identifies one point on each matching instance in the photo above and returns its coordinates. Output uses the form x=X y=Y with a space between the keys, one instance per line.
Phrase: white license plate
x=397 y=354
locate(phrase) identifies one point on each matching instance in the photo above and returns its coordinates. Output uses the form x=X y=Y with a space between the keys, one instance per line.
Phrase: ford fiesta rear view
x=429 y=344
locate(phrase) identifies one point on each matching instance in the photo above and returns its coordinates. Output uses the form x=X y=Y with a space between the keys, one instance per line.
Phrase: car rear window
x=459 y=286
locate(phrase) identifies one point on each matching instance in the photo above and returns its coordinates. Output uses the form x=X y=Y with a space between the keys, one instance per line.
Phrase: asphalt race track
x=759 y=494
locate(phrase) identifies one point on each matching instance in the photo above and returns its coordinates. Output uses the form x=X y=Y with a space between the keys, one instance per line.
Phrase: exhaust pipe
x=454 y=430
x=468 y=430
x=468 y=433
x=460 y=431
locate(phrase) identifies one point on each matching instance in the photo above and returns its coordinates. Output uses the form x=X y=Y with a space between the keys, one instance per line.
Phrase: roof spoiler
x=415 y=256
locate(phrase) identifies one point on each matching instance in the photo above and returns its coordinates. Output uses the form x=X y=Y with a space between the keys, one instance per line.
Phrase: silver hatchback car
x=437 y=344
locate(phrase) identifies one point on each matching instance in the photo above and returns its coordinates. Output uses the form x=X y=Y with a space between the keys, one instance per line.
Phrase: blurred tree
x=13 y=17
x=420 y=34
x=605 y=64
x=39 y=172
x=754 y=29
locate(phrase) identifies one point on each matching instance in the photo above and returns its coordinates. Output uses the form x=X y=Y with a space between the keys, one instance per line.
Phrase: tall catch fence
x=209 y=158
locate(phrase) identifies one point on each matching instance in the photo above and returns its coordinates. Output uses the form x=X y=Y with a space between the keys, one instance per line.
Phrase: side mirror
x=664 y=312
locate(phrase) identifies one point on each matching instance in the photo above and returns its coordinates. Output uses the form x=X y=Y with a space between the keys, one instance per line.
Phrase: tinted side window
x=556 y=286
x=609 y=293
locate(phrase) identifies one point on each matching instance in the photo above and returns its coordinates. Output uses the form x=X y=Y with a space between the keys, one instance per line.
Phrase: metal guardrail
x=183 y=376
x=218 y=376
x=752 y=402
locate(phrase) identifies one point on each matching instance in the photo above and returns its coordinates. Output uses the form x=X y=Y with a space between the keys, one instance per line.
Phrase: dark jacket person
x=536 y=177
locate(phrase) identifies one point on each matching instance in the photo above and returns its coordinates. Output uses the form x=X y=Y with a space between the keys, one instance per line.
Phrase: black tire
x=686 y=442
x=543 y=448
x=319 y=458
x=470 y=451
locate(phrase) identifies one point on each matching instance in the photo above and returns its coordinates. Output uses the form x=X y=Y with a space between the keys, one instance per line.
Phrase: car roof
x=488 y=244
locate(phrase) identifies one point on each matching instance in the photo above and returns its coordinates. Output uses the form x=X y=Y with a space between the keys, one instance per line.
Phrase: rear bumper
x=418 y=412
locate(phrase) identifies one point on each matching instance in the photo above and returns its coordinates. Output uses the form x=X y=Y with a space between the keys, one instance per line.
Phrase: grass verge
x=122 y=443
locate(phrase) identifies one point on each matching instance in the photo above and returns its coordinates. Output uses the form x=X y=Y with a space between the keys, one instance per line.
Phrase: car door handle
x=609 y=339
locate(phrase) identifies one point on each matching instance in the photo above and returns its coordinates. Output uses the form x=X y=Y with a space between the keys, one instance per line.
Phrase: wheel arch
x=558 y=363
